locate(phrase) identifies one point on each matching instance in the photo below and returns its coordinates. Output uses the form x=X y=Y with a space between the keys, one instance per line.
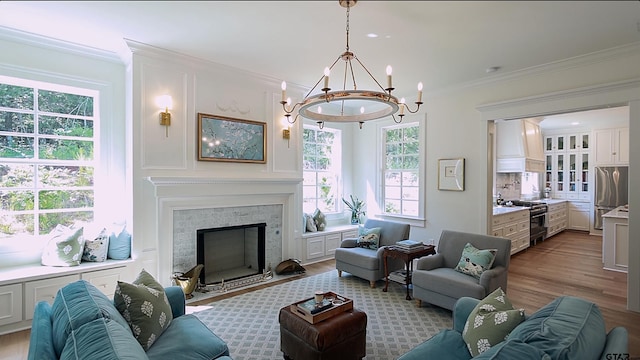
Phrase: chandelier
x=348 y=105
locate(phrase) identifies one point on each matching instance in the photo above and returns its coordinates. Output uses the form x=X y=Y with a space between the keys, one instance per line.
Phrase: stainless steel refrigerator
x=612 y=189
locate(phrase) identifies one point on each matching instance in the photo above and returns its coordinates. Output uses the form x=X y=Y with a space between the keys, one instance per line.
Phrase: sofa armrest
x=617 y=343
x=349 y=243
x=461 y=310
x=489 y=277
x=176 y=300
x=430 y=262
x=41 y=338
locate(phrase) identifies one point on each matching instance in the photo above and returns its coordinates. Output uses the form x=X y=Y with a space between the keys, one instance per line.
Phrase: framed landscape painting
x=234 y=140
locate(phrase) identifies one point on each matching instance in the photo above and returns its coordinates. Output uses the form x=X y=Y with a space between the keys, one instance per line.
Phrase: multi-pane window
x=401 y=170
x=321 y=169
x=47 y=156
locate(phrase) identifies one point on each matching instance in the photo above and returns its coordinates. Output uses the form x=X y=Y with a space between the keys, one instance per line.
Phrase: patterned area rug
x=249 y=322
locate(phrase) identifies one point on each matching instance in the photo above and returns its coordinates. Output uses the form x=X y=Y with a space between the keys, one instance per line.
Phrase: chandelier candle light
x=373 y=104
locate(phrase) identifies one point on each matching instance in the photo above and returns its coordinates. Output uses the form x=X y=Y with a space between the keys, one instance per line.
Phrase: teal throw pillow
x=368 y=238
x=64 y=248
x=320 y=220
x=490 y=322
x=145 y=307
x=475 y=261
x=119 y=243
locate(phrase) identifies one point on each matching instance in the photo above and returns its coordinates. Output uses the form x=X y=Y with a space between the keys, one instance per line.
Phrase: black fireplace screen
x=231 y=252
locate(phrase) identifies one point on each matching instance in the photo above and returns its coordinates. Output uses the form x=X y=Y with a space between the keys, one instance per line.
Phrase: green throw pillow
x=368 y=238
x=474 y=261
x=490 y=322
x=64 y=248
x=145 y=306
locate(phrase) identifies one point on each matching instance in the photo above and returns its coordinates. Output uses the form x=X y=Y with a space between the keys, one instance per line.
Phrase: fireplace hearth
x=231 y=252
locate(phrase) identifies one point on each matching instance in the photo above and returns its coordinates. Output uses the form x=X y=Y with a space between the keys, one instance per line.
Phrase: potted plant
x=356 y=208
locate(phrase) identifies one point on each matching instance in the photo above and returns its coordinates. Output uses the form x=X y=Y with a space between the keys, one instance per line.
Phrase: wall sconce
x=165 y=102
x=286 y=132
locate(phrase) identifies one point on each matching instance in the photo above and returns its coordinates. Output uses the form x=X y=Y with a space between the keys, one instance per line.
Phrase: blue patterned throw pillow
x=475 y=261
x=368 y=238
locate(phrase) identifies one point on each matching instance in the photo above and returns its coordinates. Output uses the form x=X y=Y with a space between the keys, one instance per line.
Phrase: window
x=47 y=155
x=401 y=170
x=321 y=169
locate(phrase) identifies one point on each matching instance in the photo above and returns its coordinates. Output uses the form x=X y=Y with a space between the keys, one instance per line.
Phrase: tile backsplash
x=509 y=185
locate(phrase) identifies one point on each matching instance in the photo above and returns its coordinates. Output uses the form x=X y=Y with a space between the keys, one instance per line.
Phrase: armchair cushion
x=368 y=238
x=490 y=322
x=475 y=261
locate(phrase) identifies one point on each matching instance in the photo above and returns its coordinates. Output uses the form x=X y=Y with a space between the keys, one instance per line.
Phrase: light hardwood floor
x=569 y=263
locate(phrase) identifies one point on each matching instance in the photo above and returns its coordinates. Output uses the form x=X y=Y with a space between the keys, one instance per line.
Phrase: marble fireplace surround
x=185 y=205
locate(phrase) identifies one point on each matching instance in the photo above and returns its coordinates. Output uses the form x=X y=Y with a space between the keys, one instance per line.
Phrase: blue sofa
x=566 y=328
x=84 y=324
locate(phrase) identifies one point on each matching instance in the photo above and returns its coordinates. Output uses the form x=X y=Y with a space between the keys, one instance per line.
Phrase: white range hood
x=519 y=146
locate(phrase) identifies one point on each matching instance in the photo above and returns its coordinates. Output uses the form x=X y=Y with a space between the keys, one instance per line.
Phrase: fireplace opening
x=231 y=252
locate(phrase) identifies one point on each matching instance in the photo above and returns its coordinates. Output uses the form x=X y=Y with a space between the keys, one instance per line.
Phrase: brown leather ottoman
x=340 y=337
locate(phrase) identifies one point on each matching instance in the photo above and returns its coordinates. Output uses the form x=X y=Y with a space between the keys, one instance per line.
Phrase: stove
x=537 y=217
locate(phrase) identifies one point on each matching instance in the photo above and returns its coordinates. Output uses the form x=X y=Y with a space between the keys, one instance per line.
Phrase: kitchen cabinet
x=567 y=166
x=513 y=225
x=321 y=245
x=611 y=146
x=615 y=239
x=579 y=215
x=556 y=218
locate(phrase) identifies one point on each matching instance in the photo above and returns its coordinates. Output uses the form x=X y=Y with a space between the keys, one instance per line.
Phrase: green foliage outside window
x=320 y=170
x=401 y=166
x=46 y=159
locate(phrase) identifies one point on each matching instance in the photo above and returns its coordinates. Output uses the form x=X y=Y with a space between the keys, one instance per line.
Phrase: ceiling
x=440 y=43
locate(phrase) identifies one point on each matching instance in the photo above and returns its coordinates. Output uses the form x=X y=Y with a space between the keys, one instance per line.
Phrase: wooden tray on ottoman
x=304 y=307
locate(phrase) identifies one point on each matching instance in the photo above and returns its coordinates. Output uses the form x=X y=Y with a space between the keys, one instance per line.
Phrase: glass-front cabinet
x=567 y=166
x=554 y=143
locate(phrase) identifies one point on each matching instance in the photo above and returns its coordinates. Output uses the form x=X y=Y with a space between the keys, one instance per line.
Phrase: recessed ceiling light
x=372 y=35
x=575 y=123
x=492 y=69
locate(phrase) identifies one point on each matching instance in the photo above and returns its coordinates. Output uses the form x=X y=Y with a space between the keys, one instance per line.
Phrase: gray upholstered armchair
x=367 y=263
x=436 y=282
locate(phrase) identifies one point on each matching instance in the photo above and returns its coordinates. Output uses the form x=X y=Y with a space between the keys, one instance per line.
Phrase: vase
x=355 y=219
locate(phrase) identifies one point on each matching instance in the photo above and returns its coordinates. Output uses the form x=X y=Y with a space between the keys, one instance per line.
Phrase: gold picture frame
x=451 y=174
x=223 y=138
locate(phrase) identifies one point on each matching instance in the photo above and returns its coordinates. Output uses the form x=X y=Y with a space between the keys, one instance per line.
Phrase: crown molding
x=48 y=43
x=564 y=64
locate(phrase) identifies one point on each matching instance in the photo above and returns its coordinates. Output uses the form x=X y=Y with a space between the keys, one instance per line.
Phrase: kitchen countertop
x=499 y=209
x=621 y=212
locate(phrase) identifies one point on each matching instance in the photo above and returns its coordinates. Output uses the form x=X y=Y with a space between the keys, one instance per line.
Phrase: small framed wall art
x=234 y=140
x=451 y=174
